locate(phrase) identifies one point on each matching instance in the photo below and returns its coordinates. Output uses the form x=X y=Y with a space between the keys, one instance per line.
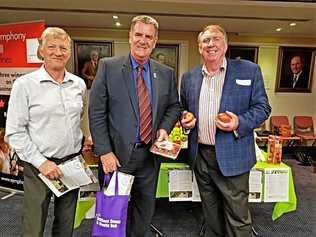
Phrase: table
x=286 y=141
x=280 y=208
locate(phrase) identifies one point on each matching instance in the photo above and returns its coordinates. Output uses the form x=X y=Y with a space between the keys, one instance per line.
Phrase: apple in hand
x=188 y=116
x=223 y=117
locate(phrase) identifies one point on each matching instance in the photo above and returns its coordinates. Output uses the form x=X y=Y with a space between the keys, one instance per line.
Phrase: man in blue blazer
x=116 y=113
x=222 y=153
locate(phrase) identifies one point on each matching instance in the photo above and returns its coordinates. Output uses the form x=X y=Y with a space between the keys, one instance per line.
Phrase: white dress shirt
x=43 y=118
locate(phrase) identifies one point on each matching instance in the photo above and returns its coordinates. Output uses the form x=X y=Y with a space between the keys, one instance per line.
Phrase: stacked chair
x=276 y=122
x=304 y=128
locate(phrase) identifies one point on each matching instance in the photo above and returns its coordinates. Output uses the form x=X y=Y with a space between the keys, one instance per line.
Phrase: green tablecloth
x=162 y=191
x=282 y=207
x=279 y=208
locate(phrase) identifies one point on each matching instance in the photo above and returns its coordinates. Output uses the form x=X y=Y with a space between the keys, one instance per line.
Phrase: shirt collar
x=135 y=64
x=223 y=67
x=298 y=74
x=47 y=77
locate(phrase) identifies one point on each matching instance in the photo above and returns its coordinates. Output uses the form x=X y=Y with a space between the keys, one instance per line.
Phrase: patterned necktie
x=145 y=112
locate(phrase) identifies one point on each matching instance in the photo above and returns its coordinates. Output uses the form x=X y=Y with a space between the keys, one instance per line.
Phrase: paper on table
x=125 y=182
x=180 y=185
x=195 y=191
x=255 y=186
x=276 y=185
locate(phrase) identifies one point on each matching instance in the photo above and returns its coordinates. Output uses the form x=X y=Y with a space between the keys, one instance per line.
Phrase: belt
x=141 y=145
x=206 y=146
x=64 y=159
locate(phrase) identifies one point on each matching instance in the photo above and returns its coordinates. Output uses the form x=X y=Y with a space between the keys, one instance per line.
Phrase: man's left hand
x=231 y=125
x=162 y=135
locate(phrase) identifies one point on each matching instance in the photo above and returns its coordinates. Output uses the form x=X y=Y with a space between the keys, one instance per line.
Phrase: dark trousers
x=224 y=199
x=145 y=167
x=37 y=197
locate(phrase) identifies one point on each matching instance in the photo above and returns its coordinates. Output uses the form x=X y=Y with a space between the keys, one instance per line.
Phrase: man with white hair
x=43 y=126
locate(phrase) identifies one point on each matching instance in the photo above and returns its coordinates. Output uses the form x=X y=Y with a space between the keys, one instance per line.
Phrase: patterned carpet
x=184 y=219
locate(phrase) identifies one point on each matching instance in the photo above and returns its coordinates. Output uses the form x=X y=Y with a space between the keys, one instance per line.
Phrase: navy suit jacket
x=113 y=105
x=243 y=94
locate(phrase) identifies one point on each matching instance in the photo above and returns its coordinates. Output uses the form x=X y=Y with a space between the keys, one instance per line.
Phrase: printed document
x=75 y=174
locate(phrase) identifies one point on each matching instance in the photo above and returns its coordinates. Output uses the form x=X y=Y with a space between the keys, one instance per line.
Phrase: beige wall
x=282 y=103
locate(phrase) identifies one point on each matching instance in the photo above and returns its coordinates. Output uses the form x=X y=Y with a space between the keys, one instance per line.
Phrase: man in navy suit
x=222 y=154
x=116 y=118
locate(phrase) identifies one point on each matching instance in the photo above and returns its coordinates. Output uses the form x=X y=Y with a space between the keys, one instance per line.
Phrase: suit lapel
x=196 y=85
x=228 y=85
x=130 y=84
x=154 y=76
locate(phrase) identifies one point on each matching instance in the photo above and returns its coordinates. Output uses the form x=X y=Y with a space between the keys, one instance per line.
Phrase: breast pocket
x=239 y=98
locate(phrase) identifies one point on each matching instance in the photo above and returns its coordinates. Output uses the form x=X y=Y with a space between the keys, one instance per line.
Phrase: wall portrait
x=167 y=54
x=242 y=52
x=87 y=55
x=295 y=69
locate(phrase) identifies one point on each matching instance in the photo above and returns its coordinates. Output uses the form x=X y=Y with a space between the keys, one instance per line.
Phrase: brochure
x=125 y=182
x=255 y=185
x=196 y=197
x=180 y=185
x=166 y=148
x=75 y=174
x=276 y=184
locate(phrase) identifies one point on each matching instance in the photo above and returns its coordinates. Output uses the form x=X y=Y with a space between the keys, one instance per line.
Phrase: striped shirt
x=210 y=98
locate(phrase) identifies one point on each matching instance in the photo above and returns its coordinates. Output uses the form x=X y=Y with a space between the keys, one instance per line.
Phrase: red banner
x=18 y=56
x=14 y=39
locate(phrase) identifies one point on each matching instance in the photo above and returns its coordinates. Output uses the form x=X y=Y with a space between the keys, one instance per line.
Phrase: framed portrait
x=243 y=52
x=87 y=55
x=167 y=54
x=295 y=69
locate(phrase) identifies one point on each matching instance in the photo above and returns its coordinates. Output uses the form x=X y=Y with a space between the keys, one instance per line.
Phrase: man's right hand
x=109 y=162
x=50 y=170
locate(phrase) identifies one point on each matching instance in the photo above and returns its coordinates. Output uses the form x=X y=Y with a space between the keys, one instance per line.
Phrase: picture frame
x=83 y=51
x=243 y=52
x=295 y=69
x=167 y=54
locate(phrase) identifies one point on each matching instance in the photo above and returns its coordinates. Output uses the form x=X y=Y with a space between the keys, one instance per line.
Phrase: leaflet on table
x=125 y=182
x=75 y=174
x=180 y=185
x=166 y=148
x=195 y=190
x=255 y=186
x=88 y=192
x=276 y=184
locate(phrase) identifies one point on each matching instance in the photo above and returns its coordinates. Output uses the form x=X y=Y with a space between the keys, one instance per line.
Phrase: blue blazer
x=243 y=94
x=113 y=105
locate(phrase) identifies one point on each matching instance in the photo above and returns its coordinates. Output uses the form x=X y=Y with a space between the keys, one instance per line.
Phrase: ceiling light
x=278 y=29
x=115 y=17
x=293 y=24
x=118 y=24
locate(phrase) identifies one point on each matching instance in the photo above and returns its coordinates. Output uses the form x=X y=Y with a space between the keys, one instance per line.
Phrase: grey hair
x=213 y=27
x=145 y=19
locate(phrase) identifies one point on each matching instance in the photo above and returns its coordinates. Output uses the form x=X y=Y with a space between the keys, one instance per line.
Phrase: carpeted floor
x=184 y=219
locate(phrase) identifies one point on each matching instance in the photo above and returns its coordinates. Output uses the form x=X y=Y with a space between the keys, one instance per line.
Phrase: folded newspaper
x=75 y=174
